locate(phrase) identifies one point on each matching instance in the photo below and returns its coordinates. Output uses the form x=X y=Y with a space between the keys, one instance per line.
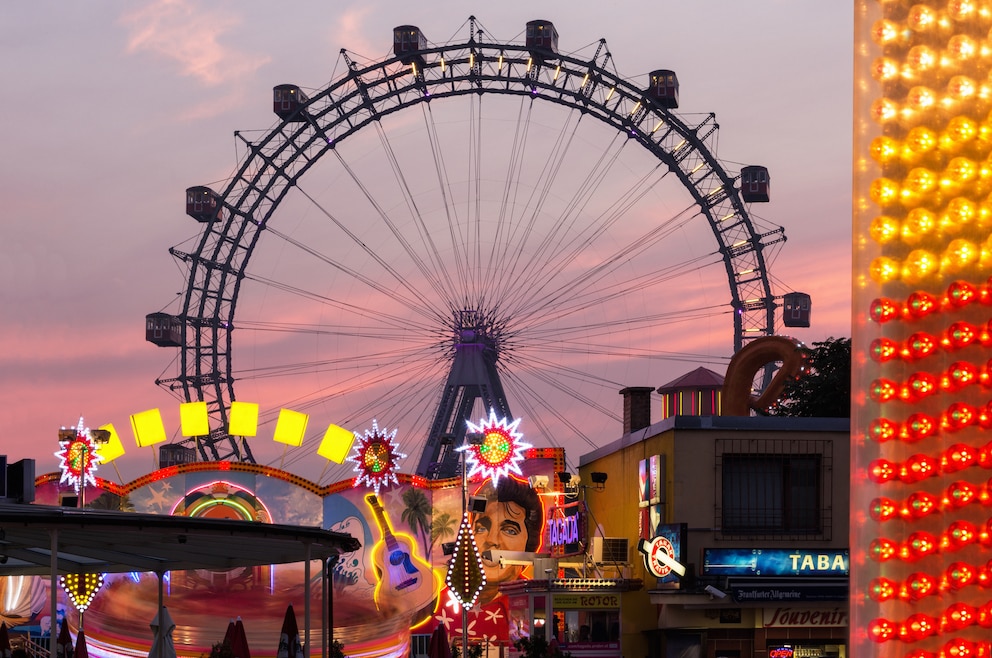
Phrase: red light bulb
x=881 y=589
x=960 y=534
x=960 y=575
x=958 y=457
x=881 y=630
x=961 y=374
x=920 y=344
x=883 y=509
x=883 y=310
x=920 y=585
x=882 y=390
x=920 y=504
x=882 y=430
x=921 y=304
x=918 y=467
x=959 y=616
x=961 y=293
x=919 y=545
x=918 y=627
x=961 y=334
x=959 y=416
x=883 y=349
x=920 y=426
x=882 y=549
x=960 y=494
x=921 y=385
x=881 y=470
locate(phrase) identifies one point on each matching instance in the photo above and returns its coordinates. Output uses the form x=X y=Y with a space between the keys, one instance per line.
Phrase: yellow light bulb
x=921 y=98
x=962 y=47
x=961 y=170
x=884 y=32
x=962 y=87
x=961 y=129
x=921 y=139
x=961 y=212
x=884 y=269
x=922 y=18
x=884 y=149
x=884 y=69
x=884 y=229
x=919 y=223
x=961 y=10
x=921 y=59
x=884 y=191
x=919 y=264
x=920 y=180
x=960 y=254
x=884 y=110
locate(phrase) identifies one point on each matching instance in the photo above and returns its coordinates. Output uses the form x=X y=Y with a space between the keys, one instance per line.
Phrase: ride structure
x=474 y=319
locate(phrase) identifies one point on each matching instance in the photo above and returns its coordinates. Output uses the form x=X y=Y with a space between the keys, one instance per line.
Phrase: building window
x=773 y=488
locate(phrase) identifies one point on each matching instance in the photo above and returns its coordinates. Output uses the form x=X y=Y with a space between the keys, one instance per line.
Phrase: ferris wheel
x=498 y=198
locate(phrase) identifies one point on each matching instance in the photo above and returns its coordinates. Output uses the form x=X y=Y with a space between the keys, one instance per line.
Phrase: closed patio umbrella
x=81 y=651
x=162 y=627
x=63 y=645
x=289 y=637
x=239 y=644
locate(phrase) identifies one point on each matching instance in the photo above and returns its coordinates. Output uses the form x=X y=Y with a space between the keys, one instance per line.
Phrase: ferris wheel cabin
x=202 y=203
x=755 y=184
x=408 y=42
x=664 y=88
x=287 y=101
x=542 y=39
x=163 y=330
x=795 y=309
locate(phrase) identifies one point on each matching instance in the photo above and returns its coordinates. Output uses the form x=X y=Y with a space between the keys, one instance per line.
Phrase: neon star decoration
x=375 y=457
x=78 y=458
x=501 y=451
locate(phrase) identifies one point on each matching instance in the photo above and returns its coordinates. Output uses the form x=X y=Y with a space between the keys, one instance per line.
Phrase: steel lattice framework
x=364 y=95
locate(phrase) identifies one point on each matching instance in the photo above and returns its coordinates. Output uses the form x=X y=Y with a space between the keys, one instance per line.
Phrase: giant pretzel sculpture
x=737 y=397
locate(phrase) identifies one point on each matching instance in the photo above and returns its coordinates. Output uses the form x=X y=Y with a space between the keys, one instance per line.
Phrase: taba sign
x=775 y=562
x=566 y=529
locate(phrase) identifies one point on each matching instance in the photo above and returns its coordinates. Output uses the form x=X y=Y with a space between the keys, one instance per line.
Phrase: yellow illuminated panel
x=291 y=427
x=193 y=419
x=148 y=428
x=243 y=419
x=336 y=444
x=113 y=448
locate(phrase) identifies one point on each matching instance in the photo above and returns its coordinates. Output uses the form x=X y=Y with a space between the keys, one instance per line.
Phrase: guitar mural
x=406 y=582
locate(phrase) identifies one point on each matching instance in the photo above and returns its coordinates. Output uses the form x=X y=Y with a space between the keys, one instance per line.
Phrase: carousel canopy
x=91 y=541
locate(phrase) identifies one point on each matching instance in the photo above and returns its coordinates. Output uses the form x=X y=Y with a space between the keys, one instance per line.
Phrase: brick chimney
x=636 y=408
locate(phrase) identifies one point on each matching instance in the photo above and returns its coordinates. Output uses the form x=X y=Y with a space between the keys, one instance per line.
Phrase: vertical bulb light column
x=921 y=500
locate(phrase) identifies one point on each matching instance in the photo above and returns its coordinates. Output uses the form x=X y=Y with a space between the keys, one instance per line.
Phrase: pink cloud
x=189 y=36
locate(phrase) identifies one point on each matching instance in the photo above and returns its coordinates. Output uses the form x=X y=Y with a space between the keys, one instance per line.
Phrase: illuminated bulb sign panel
x=566 y=529
x=774 y=562
x=922 y=315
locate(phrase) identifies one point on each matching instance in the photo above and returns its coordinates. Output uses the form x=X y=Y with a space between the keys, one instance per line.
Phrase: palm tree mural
x=442 y=527
x=417 y=514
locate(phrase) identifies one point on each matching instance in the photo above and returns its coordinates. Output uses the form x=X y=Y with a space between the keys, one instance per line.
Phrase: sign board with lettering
x=788 y=591
x=565 y=529
x=790 y=617
x=775 y=562
x=585 y=600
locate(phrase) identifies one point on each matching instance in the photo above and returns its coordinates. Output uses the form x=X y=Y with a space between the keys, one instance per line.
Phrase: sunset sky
x=115 y=108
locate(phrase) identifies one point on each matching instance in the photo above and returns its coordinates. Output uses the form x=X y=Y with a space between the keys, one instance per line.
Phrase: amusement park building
x=756 y=510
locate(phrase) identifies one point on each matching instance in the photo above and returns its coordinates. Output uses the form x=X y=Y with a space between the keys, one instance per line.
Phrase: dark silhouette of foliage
x=537 y=647
x=824 y=389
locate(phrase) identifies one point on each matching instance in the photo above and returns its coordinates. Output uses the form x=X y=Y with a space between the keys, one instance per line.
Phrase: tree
x=823 y=390
x=417 y=513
